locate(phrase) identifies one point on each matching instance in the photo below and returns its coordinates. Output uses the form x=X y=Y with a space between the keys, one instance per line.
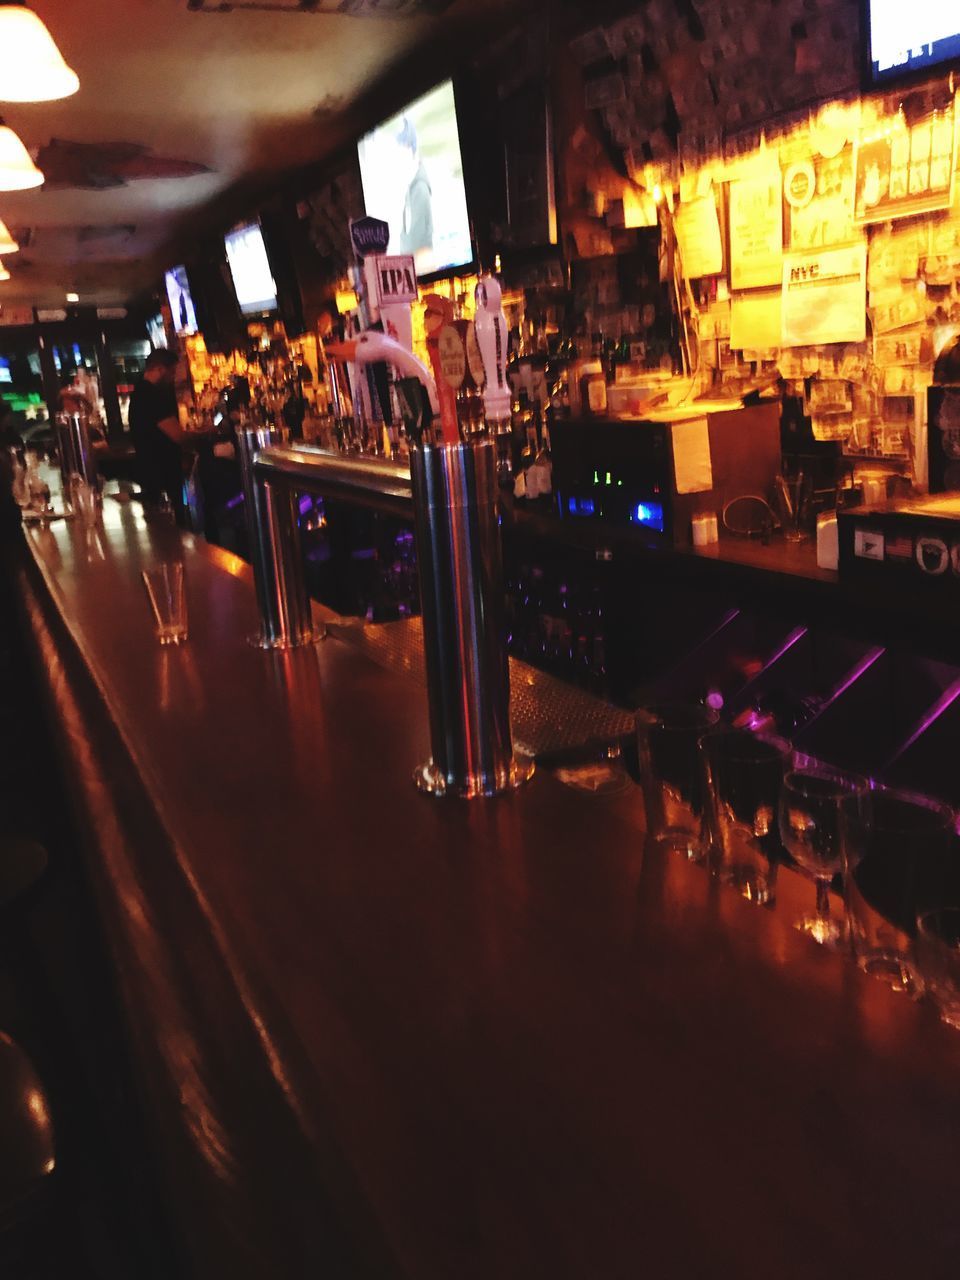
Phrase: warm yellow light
x=347 y=301
x=4 y=273
x=73 y=297
x=638 y=209
x=32 y=68
x=7 y=242
x=658 y=193
x=17 y=170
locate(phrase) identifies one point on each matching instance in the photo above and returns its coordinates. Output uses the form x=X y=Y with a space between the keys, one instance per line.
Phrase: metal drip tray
x=548 y=717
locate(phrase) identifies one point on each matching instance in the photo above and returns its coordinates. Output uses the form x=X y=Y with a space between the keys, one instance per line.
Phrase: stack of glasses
x=744 y=803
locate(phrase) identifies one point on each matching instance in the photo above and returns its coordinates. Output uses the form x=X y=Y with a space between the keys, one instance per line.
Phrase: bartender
x=157 y=435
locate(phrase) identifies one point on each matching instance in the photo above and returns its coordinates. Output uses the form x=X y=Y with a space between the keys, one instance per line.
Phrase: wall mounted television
x=182 y=309
x=411 y=168
x=253 y=281
x=904 y=38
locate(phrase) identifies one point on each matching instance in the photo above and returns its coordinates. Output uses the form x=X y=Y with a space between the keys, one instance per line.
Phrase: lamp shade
x=32 y=68
x=17 y=170
x=7 y=242
x=4 y=273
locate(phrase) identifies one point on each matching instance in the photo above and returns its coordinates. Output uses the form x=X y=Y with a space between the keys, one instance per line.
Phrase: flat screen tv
x=182 y=310
x=412 y=174
x=905 y=37
x=253 y=281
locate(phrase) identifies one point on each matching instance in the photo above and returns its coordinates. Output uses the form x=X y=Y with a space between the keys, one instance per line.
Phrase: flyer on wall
x=825 y=296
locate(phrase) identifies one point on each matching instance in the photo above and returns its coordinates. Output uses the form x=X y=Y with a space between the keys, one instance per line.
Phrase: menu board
x=756 y=229
x=903 y=170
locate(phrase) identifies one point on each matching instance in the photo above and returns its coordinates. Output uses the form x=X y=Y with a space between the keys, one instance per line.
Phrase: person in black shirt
x=157 y=434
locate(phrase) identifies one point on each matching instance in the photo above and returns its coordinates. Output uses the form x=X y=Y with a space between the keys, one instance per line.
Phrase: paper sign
x=756 y=230
x=698 y=235
x=396 y=279
x=825 y=297
x=692 y=467
x=756 y=320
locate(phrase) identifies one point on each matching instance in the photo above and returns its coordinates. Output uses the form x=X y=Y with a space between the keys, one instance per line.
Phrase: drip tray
x=547 y=717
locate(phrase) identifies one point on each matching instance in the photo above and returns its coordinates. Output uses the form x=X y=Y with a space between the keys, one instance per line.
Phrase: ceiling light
x=73 y=297
x=17 y=170
x=7 y=242
x=4 y=273
x=32 y=68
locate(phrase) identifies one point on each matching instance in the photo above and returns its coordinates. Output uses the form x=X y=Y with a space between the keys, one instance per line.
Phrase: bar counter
x=783 y=576
x=383 y=1035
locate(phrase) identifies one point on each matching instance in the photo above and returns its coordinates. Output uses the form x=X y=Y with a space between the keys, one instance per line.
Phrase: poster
x=895 y=255
x=698 y=236
x=756 y=320
x=756 y=230
x=897 y=309
x=825 y=296
x=903 y=170
x=828 y=397
x=821 y=215
x=692 y=463
x=901 y=348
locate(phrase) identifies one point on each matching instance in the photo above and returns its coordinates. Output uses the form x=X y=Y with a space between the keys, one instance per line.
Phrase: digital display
x=253 y=281
x=911 y=35
x=182 y=310
x=412 y=174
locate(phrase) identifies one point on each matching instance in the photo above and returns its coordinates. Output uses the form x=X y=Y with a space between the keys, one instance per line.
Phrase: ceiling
x=180 y=110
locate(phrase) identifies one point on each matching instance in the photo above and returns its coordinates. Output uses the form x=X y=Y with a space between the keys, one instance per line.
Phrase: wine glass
x=823 y=821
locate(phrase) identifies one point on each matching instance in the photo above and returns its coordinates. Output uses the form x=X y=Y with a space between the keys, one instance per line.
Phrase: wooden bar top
x=454 y=1041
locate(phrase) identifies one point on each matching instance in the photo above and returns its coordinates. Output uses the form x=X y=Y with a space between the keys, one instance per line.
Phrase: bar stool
x=23 y=862
x=27 y=1151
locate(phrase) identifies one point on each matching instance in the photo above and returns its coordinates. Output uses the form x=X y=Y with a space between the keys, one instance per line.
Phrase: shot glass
x=744 y=780
x=671 y=773
x=904 y=862
x=167 y=599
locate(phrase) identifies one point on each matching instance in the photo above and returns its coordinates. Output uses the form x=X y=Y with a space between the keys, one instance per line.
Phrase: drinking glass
x=167 y=599
x=894 y=880
x=793 y=499
x=86 y=504
x=745 y=773
x=824 y=817
x=672 y=775
x=938 y=960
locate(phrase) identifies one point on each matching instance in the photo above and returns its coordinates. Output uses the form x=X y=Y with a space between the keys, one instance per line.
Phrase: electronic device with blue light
x=638 y=474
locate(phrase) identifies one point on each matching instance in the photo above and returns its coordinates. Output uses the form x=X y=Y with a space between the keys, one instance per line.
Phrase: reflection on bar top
x=695 y=409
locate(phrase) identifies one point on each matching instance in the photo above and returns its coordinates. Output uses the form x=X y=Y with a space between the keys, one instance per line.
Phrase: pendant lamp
x=4 y=273
x=7 y=242
x=32 y=68
x=17 y=170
